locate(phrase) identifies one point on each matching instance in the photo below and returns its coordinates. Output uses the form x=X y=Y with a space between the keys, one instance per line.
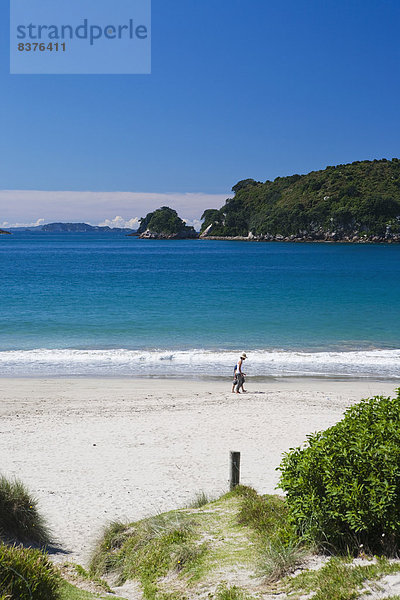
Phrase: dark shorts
x=239 y=379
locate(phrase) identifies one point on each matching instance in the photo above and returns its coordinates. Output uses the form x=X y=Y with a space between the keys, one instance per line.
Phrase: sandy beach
x=97 y=450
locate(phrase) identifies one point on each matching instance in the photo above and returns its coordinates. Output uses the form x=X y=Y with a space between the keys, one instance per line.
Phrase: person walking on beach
x=238 y=380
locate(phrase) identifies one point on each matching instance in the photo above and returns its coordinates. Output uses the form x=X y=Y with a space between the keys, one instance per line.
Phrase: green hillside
x=353 y=202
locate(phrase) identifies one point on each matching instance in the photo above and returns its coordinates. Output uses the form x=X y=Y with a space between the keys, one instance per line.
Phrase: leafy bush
x=343 y=488
x=19 y=516
x=27 y=574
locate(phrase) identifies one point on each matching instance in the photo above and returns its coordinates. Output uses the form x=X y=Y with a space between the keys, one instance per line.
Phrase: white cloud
x=120 y=222
x=196 y=223
x=23 y=206
x=35 y=224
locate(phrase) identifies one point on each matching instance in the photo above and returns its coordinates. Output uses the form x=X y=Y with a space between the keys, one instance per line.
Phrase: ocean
x=109 y=305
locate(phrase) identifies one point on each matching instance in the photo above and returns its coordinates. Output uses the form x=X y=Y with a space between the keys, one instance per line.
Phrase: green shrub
x=27 y=574
x=19 y=517
x=343 y=487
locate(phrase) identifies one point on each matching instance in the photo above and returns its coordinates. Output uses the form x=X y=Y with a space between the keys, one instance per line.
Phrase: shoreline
x=307 y=240
x=258 y=379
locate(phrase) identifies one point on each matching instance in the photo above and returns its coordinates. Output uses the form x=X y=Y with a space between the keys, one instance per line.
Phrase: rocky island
x=2 y=231
x=357 y=202
x=165 y=224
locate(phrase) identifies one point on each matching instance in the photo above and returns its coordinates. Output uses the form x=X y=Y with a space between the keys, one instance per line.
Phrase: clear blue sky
x=239 y=88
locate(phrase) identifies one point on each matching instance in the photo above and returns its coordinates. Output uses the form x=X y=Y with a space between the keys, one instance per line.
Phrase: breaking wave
x=198 y=363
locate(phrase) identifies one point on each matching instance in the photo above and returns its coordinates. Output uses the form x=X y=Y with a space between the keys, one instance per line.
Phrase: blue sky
x=238 y=89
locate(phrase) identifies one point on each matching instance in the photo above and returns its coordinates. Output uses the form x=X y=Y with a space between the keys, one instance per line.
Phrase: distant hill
x=80 y=228
x=353 y=202
x=164 y=223
x=72 y=228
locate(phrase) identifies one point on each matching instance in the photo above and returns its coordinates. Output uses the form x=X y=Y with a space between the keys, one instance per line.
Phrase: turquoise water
x=110 y=304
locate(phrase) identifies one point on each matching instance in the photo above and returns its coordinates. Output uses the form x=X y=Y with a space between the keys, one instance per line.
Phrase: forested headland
x=350 y=202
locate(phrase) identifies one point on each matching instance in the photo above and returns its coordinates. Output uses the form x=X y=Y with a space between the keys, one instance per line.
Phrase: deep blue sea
x=107 y=304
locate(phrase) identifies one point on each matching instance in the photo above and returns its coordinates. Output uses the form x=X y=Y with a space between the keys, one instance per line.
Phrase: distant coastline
x=318 y=237
x=69 y=228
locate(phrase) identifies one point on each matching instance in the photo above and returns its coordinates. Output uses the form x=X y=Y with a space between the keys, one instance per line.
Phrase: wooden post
x=235 y=470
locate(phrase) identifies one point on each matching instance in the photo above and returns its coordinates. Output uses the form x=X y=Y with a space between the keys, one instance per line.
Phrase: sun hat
x=243 y=355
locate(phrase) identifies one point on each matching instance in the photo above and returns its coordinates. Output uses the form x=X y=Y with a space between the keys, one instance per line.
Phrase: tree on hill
x=241 y=185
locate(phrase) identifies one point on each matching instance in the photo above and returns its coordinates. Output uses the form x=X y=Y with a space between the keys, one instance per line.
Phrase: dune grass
x=27 y=574
x=71 y=592
x=173 y=553
x=148 y=550
x=281 y=550
x=225 y=592
x=340 y=579
x=242 y=539
x=20 y=520
x=200 y=499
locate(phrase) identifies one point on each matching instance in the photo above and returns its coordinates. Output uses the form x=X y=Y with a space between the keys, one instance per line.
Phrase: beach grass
x=234 y=548
x=85 y=575
x=225 y=592
x=149 y=550
x=27 y=574
x=20 y=519
x=184 y=550
x=280 y=548
x=71 y=592
x=200 y=499
x=341 y=579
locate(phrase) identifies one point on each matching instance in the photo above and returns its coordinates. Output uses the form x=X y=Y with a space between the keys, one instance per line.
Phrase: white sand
x=97 y=450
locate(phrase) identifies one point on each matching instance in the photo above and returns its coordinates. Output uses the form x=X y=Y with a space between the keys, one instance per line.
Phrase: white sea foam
x=194 y=363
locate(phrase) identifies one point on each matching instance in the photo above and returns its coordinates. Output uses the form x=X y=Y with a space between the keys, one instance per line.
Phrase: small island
x=2 y=231
x=357 y=202
x=165 y=224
